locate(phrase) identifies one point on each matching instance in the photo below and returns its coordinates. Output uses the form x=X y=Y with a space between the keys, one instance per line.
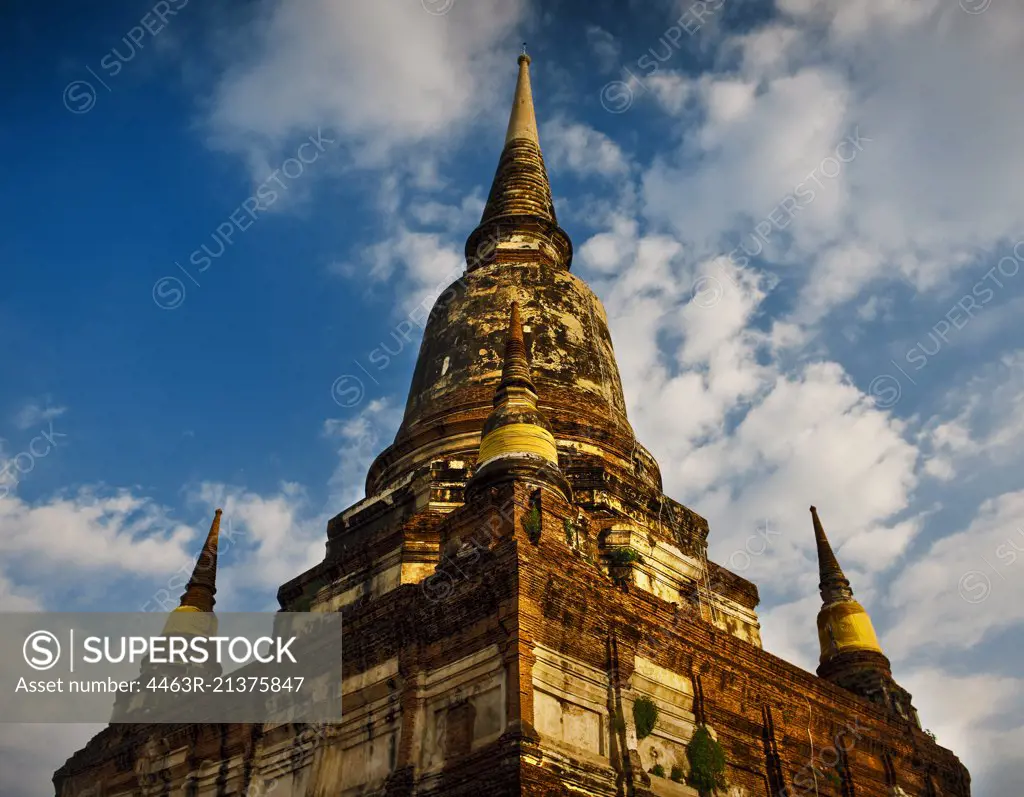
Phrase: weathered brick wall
x=497 y=589
x=567 y=604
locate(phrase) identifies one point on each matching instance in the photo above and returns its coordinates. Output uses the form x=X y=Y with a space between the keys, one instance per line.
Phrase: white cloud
x=17 y=599
x=766 y=51
x=728 y=101
x=417 y=266
x=741 y=435
x=607 y=252
x=893 y=70
x=452 y=219
x=970 y=580
x=34 y=414
x=671 y=90
x=984 y=424
x=360 y=439
x=977 y=715
x=790 y=630
x=90 y=531
x=580 y=149
x=383 y=75
x=280 y=538
x=605 y=46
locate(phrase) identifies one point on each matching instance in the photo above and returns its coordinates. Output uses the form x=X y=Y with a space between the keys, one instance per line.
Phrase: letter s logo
x=41 y=650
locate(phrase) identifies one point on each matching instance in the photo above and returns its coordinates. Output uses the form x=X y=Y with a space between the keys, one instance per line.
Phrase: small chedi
x=526 y=612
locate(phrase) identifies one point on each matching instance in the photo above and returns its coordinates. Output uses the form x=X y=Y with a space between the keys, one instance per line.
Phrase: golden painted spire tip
x=522 y=122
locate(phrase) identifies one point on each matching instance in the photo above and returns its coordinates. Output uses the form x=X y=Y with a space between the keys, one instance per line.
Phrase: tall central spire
x=519 y=218
x=522 y=122
x=517 y=252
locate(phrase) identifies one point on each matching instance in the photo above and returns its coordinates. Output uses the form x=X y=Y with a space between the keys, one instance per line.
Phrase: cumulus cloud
x=92 y=531
x=960 y=579
x=797 y=86
x=382 y=75
x=414 y=267
x=571 y=147
x=977 y=715
x=983 y=423
x=359 y=440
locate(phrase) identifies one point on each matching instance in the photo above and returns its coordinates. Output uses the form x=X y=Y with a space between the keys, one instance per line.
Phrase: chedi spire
x=516 y=427
x=519 y=217
x=851 y=656
x=194 y=614
x=833 y=584
x=202 y=586
x=843 y=624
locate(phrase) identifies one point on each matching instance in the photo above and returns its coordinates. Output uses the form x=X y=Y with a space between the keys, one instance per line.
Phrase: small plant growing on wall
x=645 y=715
x=658 y=771
x=620 y=557
x=707 y=763
x=572 y=534
x=677 y=774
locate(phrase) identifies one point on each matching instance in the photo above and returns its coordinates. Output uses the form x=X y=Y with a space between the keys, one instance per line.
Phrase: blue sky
x=803 y=217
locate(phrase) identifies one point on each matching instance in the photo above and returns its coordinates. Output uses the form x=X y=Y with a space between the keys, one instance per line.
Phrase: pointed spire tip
x=522 y=122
